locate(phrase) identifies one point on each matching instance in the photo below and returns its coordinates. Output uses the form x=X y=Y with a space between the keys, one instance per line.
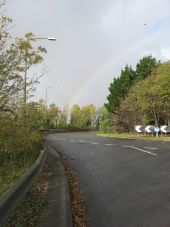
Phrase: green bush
x=16 y=141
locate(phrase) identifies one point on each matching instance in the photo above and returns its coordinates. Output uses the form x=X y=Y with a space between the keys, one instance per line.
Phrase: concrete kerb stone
x=58 y=211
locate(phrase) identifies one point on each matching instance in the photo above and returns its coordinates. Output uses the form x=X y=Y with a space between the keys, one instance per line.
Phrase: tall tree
x=119 y=88
x=10 y=58
x=130 y=113
x=145 y=67
x=147 y=102
x=104 y=120
x=75 y=118
x=30 y=56
x=84 y=117
x=88 y=116
x=53 y=115
x=154 y=95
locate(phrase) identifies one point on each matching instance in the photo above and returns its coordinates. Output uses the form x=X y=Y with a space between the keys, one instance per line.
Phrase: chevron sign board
x=165 y=129
x=139 y=128
x=150 y=128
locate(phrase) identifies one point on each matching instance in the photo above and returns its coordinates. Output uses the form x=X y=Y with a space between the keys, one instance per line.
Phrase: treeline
x=139 y=96
x=78 y=118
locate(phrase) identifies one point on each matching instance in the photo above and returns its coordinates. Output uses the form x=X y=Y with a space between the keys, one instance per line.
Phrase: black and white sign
x=165 y=129
x=151 y=129
x=139 y=128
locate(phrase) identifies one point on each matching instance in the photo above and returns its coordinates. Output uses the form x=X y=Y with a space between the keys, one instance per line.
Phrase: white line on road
x=82 y=141
x=151 y=148
x=141 y=150
x=72 y=141
x=109 y=144
x=61 y=139
x=94 y=143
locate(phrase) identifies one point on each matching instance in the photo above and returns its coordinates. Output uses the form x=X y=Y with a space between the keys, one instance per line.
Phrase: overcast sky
x=95 y=39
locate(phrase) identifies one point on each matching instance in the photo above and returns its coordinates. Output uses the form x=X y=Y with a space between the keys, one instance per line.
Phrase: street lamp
x=25 y=73
x=56 y=86
x=25 y=46
x=49 y=38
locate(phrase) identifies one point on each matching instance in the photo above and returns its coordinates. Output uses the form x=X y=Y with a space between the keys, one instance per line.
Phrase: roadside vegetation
x=34 y=204
x=78 y=118
x=138 y=97
x=135 y=136
x=20 y=119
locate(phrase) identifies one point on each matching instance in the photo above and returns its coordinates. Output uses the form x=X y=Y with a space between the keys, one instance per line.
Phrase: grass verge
x=134 y=136
x=14 y=164
x=11 y=171
x=30 y=209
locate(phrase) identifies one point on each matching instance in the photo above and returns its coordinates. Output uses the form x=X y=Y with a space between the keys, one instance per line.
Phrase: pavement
x=58 y=213
x=125 y=183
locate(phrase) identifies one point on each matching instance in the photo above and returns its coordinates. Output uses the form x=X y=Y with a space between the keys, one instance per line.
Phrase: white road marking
x=61 y=139
x=94 y=143
x=82 y=141
x=109 y=144
x=151 y=148
x=72 y=141
x=141 y=150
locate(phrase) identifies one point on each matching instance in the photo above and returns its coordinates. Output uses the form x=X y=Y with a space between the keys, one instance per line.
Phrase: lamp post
x=46 y=104
x=26 y=63
x=29 y=56
x=49 y=38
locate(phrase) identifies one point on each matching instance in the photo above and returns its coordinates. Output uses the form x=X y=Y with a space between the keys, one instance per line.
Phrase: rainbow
x=115 y=57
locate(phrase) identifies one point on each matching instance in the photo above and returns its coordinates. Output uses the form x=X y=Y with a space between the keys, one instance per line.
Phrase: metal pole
x=25 y=83
x=25 y=90
x=46 y=107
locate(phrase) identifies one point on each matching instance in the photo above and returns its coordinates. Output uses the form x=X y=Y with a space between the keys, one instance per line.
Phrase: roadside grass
x=33 y=205
x=135 y=136
x=14 y=165
x=12 y=170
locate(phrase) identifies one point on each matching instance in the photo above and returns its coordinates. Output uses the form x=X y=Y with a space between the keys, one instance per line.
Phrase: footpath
x=58 y=212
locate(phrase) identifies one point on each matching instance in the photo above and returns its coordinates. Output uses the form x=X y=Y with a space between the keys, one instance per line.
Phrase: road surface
x=126 y=183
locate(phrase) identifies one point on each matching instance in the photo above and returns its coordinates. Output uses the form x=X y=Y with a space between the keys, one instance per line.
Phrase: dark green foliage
x=145 y=67
x=119 y=88
x=124 y=107
x=146 y=103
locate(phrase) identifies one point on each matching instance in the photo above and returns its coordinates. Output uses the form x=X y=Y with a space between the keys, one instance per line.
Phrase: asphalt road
x=126 y=183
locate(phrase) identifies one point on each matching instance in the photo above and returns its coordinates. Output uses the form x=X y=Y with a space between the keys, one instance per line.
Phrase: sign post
x=157 y=130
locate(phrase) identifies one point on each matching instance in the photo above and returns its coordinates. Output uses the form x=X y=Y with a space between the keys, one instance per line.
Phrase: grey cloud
x=89 y=33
